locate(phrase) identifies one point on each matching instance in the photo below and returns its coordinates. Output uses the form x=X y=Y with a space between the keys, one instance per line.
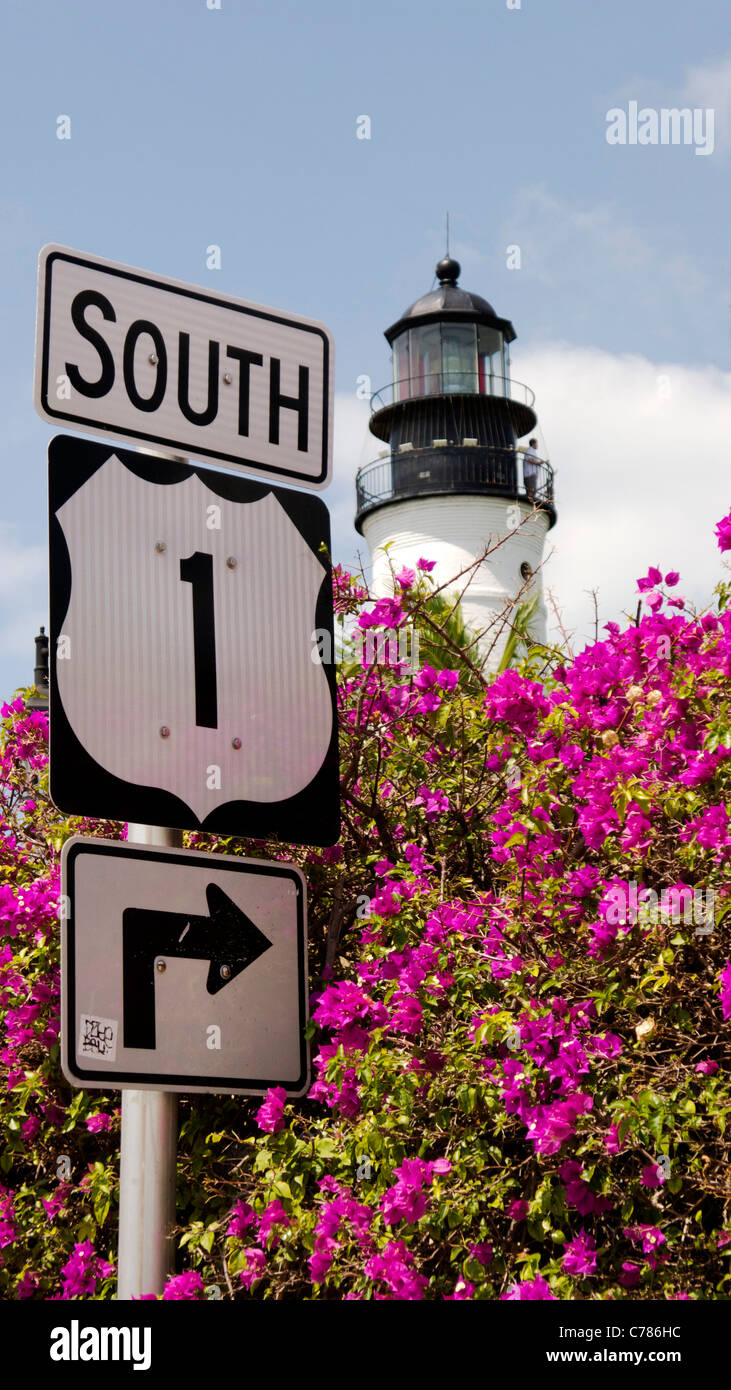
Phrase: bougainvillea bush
x=520 y=994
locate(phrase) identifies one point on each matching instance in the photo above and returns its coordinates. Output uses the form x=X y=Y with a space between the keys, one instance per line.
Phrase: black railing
x=452 y=383
x=454 y=468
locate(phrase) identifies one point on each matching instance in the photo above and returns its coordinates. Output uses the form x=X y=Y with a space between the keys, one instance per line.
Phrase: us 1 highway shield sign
x=187 y=682
x=182 y=971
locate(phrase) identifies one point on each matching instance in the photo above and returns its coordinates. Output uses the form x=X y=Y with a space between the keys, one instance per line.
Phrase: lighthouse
x=460 y=472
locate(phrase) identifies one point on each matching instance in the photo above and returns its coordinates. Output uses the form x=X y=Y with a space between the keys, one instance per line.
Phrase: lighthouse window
x=459 y=357
x=426 y=360
x=492 y=369
x=401 y=371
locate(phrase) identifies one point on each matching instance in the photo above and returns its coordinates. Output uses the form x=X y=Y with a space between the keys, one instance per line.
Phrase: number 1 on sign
x=197 y=570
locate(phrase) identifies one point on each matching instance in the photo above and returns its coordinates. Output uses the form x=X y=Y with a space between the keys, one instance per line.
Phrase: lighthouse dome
x=449 y=301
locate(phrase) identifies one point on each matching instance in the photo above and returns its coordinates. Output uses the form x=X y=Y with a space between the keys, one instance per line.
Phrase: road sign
x=186 y=685
x=134 y=356
x=182 y=971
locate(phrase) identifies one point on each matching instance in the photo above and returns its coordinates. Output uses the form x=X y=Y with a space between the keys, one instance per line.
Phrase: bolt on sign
x=134 y=356
x=186 y=682
x=182 y=971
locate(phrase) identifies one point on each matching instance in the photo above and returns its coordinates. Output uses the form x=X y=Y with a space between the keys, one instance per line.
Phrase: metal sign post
x=147 y=1163
x=148 y=1154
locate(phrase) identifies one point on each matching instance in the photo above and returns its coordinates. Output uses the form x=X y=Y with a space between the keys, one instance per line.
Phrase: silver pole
x=148 y=1149
x=147 y=1163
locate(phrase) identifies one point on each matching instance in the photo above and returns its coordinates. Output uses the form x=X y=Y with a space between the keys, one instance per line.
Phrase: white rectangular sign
x=141 y=357
x=182 y=971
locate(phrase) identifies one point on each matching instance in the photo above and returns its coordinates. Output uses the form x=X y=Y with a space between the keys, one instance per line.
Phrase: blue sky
x=192 y=126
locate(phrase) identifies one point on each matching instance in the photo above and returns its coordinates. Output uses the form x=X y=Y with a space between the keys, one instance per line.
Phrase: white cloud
x=641 y=478
x=709 y=86
x=591 y=248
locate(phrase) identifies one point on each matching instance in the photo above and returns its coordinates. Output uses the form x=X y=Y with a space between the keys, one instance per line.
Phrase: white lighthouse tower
x=452 y=479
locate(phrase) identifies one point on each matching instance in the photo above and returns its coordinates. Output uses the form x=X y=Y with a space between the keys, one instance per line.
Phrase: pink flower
x=650 y=1238
x=425 y=677
x=707 y=1066
x=270 y=1115
x=612 y=1143
x=406 y=1200
x=426 y=565
x=341 y=1003
x=551 y=1125
x=672 y=578
x=8 y=1228
x=272 y=1216
x=435 y=803
x=408 y=1014
x=183 y=1286
x=254 y=1268
x=387 y=612
x=462 y=1291
x=394 y=1266
x=578 y=1192
x=403 y=1203
x=725 y=982
x=518 y=1210
x=96 y=1124
x=241 y=1218
x=517 y=701
x=580 y=1257
x=82 y=1271
x=653 y=1175
x=530 y=1290
x=54 y=1204
x=405 y=578
x=652 y=578
x=723 y=533
x=710 y=830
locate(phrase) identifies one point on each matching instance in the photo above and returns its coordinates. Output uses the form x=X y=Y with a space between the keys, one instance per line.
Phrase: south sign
x=133 y=356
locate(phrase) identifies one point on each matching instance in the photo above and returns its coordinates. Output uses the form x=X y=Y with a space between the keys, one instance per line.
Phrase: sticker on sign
x=135 y=356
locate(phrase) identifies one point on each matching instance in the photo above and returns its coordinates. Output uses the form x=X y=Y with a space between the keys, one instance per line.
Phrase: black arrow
x=226 y=937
